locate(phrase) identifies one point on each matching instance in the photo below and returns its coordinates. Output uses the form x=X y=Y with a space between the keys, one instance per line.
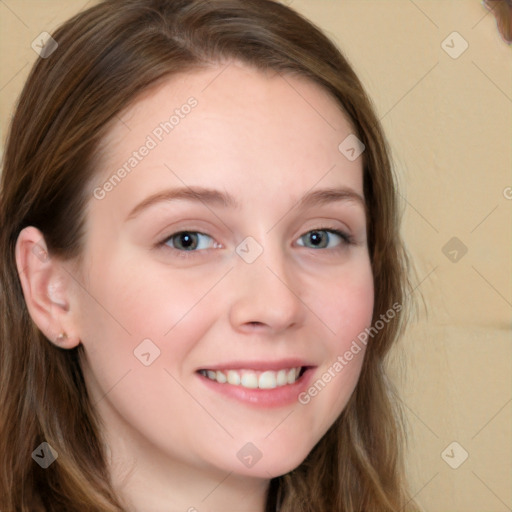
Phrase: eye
x=324 y=238
x=186 y=243
x=189 y=241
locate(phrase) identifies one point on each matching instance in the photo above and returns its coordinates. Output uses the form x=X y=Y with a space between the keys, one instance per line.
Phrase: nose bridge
x=266 y=292
x=265 y=258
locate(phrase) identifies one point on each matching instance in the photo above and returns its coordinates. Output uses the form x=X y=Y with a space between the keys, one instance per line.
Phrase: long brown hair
x=106 y=56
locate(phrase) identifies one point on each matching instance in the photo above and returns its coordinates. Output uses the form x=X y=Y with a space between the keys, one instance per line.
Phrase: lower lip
x=277 y=397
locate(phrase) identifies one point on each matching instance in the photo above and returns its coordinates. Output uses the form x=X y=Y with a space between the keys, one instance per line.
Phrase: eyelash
x=345 y=237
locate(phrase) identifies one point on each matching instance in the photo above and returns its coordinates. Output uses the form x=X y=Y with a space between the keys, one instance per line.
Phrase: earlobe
x=44 y=282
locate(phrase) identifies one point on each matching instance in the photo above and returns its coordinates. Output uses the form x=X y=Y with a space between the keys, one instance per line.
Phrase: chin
x=272 y=464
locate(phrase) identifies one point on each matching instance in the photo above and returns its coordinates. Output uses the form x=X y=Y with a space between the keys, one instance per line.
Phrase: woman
x=203 y=270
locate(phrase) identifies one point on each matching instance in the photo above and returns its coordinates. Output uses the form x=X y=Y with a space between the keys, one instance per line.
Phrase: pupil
x=316 y=238
x=186 y=240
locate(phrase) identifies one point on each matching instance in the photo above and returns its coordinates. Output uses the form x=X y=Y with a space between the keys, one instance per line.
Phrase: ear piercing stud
x=61 y=337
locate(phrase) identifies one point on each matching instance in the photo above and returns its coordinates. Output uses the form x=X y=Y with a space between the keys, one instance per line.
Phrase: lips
x=262 y=384
x=262 y=374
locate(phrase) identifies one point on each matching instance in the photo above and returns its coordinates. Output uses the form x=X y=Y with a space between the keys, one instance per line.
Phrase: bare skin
x=175 y=441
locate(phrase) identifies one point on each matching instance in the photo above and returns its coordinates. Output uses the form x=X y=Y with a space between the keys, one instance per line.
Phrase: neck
x=148 y=481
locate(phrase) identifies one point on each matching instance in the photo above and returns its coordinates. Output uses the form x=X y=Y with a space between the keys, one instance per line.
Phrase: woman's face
x=211 y=252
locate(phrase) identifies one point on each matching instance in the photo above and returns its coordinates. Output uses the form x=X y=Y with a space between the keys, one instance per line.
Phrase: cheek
x=344 y=304
x=129 y=306
x=346 y=309
x=139 y=299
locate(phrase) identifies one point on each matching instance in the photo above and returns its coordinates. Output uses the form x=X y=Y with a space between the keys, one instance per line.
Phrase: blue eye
x=188 y=241
x=322 y=238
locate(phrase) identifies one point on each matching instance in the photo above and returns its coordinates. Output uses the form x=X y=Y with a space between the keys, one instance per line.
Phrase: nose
x=267 y=294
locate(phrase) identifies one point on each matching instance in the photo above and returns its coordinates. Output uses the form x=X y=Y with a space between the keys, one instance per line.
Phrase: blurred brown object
x=502 y=10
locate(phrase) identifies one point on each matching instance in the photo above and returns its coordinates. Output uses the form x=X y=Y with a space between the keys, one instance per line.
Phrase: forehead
x=232 y=126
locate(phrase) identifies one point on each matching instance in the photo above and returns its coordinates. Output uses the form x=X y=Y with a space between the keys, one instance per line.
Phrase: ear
x=46 y=287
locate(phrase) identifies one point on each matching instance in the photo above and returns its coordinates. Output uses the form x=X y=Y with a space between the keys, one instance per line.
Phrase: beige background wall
x=449 y=122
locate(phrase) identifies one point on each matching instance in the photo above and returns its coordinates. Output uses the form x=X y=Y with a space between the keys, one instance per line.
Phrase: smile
x=252 y=379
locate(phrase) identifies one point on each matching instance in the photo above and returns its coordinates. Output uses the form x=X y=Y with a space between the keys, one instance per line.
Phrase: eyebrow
x=215 y=197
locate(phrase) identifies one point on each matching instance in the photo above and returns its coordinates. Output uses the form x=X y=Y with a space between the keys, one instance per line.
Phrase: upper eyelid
x=320 y=225
x=349 y=225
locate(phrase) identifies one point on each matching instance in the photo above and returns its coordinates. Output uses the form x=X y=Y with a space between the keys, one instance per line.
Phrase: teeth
x=233 y=377
x=254 y=379
x=249 y=380
x=267 y=380
x=282 y=378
